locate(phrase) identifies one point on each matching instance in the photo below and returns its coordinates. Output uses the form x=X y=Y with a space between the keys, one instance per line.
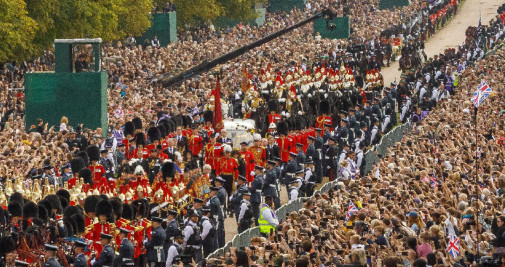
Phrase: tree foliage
x=17 y=30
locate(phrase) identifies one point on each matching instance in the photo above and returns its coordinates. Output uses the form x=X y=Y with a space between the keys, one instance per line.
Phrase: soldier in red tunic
x=258 y=151
x=283 y=141
x=208 y=117
x=228 y=169
x=142 y=230
x=98 y=172
x=129 y=131
x=140 y=142
x=324 y=108
x=195 y=143
x=76 y=165
x=273 y=117
x=213 y=152
x=104 y=213
x=249 y=161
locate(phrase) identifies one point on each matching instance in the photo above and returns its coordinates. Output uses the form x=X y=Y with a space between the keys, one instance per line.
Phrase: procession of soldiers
x=161 y=195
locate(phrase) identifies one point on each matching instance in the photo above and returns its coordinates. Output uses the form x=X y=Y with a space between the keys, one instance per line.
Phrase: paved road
x=452 y=34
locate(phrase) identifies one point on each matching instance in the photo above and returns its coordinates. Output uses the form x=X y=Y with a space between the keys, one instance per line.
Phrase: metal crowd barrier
x=388 y=140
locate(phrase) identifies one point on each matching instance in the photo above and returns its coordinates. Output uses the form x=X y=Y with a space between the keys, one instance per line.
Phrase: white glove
x=252 y=173
x=231 y=197
x=145 y=241
x=236 y=184
x=92 y=261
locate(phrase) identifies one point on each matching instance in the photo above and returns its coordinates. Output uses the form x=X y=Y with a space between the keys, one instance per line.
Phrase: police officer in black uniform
x=237 y=198
x=154 y=247
x=221 y=194
x=270 y=182
x=217 y=214
x=125 y=257
x=192 y=239
x=107 y=255
x=329 y=159
x=172 y=228
x=106 y=163
x=80 y=259
x=256 y=189
x=208 y=226
x=50 y=255
x=289 y=171
x=246 y=215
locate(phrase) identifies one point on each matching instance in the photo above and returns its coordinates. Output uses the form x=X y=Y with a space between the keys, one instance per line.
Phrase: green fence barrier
x=285 y=5
x=337 y=28
x=164 y=26
x=390 y=4
x=82 y=97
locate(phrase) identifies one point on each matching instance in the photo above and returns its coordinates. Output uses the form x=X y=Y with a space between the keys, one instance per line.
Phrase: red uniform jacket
x=249 y=164
x=94 y=235
x=321 y=120
x=285 y=147
x=213 y=153
x=195 y=144
x=227 y=167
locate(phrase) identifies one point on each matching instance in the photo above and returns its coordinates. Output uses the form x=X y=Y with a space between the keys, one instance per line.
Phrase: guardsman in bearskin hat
x=97 y=170
x=142 y=229
x=76 y=164
x=104 y=213
x=129 y=131
x=324 y=109
x=213 y=152
x=140 y=151
x=283 y=141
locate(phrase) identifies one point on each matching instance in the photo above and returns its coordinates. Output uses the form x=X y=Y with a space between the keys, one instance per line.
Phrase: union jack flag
x=453 y=246
x=118 y=113
x=350 y=211
x=481 y=94
x=433 y=182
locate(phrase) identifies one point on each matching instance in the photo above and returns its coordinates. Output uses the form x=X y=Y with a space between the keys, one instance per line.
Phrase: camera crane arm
x=208 y=65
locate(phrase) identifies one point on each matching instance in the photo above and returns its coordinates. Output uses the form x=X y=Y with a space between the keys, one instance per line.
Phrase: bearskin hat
x=3 y=216
x=282 y=127
x=146 y=202
x=85 y=157
x=163 y=130
x=90 y=203
x=30 y=210
x=137 y=122
x=17 y=197
x=168 y=170
x=129 y=128
x=103 y=207
x=69 y=227
x=47 y=209
x=290 y=123
x=64 y=202
x=104 y=197
x=298 y=123
x=208 y=116
x=117 y=206
x=86 y=175
x=93 y=153
x=79 y=220
x=7 y=244
x=324 y=107
x=128 y=212
x=273 y=105
x=140 y=139
x=153 y=134
x=63 y=193
x=15 y=209
x=138 y=208
x=77 y=164
x=71 y=210
x=55 y=202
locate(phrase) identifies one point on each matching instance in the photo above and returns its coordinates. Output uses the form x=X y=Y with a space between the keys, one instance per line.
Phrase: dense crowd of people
x=427 y=202
x=160 y=181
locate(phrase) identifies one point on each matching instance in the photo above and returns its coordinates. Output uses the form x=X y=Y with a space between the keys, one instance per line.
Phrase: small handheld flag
x=433 y=182
x=481 y=94
x=453 y=246
x=350 y=211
